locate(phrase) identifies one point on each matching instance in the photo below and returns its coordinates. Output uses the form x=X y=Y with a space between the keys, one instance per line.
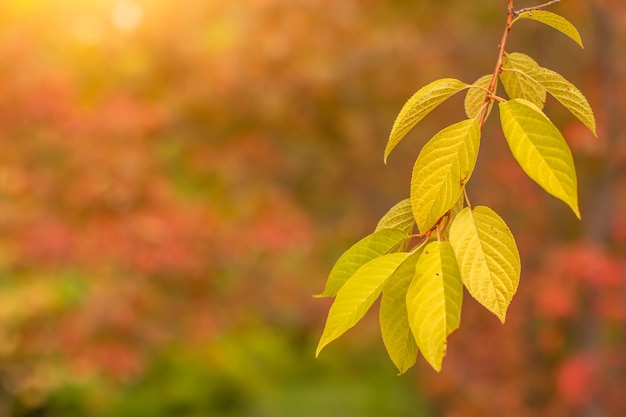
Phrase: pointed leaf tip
x=567 y=94
x=357 y=295
x=434 y=301
x=393 y=316
x=418 y=106
x=555 y=21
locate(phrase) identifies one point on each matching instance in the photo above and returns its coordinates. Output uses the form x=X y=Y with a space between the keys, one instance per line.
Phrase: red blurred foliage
x=575 y=380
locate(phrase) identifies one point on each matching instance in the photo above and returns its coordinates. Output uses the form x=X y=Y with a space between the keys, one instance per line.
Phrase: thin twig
x=466 y=197
x=529 y=9
x=447 y=216
x=498 y=68
x=419 y=246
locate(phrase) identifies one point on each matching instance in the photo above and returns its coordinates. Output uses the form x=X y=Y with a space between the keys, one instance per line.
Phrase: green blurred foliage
x=256 y=373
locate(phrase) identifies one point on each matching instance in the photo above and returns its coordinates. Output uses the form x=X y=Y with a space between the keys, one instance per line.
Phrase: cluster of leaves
x=421 y=275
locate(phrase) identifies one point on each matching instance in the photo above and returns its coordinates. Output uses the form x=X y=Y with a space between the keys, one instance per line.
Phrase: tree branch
x=498 y=68
x=529 y=9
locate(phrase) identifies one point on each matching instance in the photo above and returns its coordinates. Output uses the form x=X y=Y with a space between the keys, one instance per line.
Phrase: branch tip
x=538 y=7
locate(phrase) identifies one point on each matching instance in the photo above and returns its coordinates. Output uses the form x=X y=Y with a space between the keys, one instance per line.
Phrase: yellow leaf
x=541 y=151
x=357 y=296
x=567 y=94
x=400 y=217
x=516 y=81
x=475 y=99
x=366 y=249
x=445 y=163
x=394 y=319
x=434 y=301
x=555 y=21
x=418 y=106
x=488 y=259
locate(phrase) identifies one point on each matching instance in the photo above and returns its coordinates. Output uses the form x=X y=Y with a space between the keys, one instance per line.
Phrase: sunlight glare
x=127 y=14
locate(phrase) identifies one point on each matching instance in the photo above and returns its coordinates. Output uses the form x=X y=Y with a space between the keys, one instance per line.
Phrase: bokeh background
x=178 y=177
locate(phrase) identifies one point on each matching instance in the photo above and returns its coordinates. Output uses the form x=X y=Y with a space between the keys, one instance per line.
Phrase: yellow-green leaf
x=517 y=83
x=567 y=94
x=357 y=295
x=555 y=21
x=366 y=249
x=394 y=319
x=541 y=151
x=445 y=163
x=487 y=256
x=475 y=99
x=419 y=105
x=434 y=301
x=400 y=217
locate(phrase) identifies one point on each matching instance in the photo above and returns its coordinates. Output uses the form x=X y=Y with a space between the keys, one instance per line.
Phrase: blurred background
x=178 y=177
